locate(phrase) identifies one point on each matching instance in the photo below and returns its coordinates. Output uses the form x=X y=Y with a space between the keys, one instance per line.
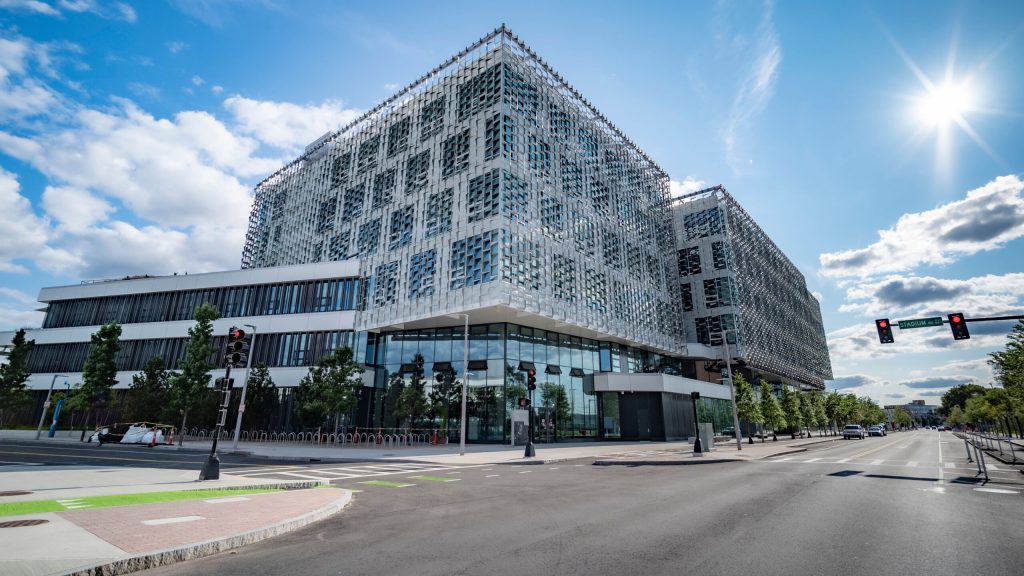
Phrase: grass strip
x=432 y=478
x=386 y=484
x=93 y=502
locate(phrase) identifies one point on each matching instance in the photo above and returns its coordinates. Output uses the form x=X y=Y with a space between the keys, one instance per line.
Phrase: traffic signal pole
x=211 y=468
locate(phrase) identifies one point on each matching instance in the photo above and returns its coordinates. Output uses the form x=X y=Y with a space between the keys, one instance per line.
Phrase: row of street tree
x=793 y=410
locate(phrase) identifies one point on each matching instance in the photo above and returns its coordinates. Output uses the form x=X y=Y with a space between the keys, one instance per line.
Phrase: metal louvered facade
x=488 y=185
x=735 y=282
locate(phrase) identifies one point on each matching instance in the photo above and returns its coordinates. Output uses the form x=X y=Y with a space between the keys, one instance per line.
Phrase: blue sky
x=879 y=144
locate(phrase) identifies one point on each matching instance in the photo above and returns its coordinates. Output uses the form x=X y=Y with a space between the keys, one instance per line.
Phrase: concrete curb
x=665 y=462
x=209 y=547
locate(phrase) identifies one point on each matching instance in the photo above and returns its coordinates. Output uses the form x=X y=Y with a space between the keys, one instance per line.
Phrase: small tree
x=261 y=398
x=820 y=418
x=190 y=387
x=747 y=407
x=13 y=375
x=833 y=408
x=393 y=400
x=807 y=410
x=149 y=392
x=791 y=409
x=770 y=409
x=901 y=417
x=956 y=417
x=1008 y=364
x=446 y=397
x=99 y=375
x=332 y=386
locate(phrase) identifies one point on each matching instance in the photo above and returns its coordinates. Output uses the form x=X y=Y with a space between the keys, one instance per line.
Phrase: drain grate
x=15 y=493
x=20 y=523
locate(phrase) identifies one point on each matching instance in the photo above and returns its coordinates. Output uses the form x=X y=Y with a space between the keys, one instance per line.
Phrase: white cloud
x=176 y=46
x=24 y=233
x=21 y=96
x=16 y=295
x=990 y=295
x=197 y=80
x=14 y=318
x=757 y=87
x=107 y=10
x=144 y=90
x=75 y=209
x=850 y=344
x=217 y=89
x=286 y=125
x=688 y=185
x=986 y=219
x=35 y=6
x=391 y=86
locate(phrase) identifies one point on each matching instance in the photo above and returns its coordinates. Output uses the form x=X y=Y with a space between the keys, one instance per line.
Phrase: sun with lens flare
x=944 y=104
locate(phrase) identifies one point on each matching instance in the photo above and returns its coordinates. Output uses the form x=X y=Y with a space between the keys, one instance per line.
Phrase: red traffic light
x=955 y=319
x=531 y=372
x=237 y=334
x=958 y=325
x=884 y=329
x=882 y=323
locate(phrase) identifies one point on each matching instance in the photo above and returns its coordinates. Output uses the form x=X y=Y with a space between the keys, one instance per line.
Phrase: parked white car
x=853 y=431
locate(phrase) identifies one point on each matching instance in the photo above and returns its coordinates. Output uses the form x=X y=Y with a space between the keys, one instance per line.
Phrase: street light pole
x=465 y=384
x=245 y=384
x=732 y=390
x=46 y=405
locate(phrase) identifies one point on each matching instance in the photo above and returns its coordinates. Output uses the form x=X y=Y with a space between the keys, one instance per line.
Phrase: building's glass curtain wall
x=488 y=182
x=299 y=349
x=232 y=301
x=498 y=356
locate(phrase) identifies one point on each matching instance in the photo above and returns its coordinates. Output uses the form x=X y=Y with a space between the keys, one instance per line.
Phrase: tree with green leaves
x=820 y=418
x=791 y=410
x=99 y=375
x=807 y=410
x=956 y=417
x=261 y=398
x=190 y=386
x=833 y=409
x=958 y=396
x=770 y=409
x=901 y=417
x=1008 y=364
x=149 y=392
x=747 y=407
x=13 y=375
x=553 y=396
x=332 y=387
x=392 y=399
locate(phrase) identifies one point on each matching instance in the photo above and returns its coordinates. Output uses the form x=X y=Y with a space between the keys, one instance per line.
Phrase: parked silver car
x=853 y=431
x=875 y=431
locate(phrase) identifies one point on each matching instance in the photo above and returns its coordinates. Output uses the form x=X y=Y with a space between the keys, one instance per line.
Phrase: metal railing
x=358 y=438
x=1008 y=449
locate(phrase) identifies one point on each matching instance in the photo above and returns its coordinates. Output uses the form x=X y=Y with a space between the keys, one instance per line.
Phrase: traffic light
x=531 y=379
x=238 y=348
x=524 y=402
x=884 y=331
x=958 y=325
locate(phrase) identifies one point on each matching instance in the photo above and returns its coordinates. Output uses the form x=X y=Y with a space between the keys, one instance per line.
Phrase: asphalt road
x=903 y=504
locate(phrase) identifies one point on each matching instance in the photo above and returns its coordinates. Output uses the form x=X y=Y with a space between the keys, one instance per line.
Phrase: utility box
x=707 y=436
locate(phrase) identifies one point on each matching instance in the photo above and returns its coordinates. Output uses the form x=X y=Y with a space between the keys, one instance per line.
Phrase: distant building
x=922 y=414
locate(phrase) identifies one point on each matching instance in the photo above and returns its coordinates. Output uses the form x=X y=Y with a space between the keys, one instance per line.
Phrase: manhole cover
x=15 y=493
x=20 y=523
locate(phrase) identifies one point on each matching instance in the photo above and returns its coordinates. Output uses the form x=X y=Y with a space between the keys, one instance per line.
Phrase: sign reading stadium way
x=920 y=323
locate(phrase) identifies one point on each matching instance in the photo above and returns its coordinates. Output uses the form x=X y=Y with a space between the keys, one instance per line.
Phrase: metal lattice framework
x=522 y=192
x=734 y=278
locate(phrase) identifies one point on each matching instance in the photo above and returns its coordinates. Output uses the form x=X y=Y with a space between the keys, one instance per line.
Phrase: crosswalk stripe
x=991 y=466
x=813 y=460
x=843 y=461
x=912 y=463
x=950 y=464
x=877 y=462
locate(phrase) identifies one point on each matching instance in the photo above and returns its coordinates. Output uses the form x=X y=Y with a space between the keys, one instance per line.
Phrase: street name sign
x=919 y=323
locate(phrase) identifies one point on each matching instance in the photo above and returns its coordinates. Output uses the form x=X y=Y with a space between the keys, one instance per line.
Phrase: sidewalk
x=121 y=539
x=605 y=452
x=722 y=452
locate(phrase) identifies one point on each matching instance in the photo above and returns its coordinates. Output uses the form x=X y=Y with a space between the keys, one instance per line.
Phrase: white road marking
x=843 y=461
x=492 y=475
x=949 y=464
x=578 y=465
x=553 y=468
x=992 y=466
x=877 y=462
x=179 y=519
x=997 y=490
x=226 y=500
x=526 y=471
x=912 y=463
x=785 y=459
x=308 y=477
x=395 y=486
x=812 y=460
